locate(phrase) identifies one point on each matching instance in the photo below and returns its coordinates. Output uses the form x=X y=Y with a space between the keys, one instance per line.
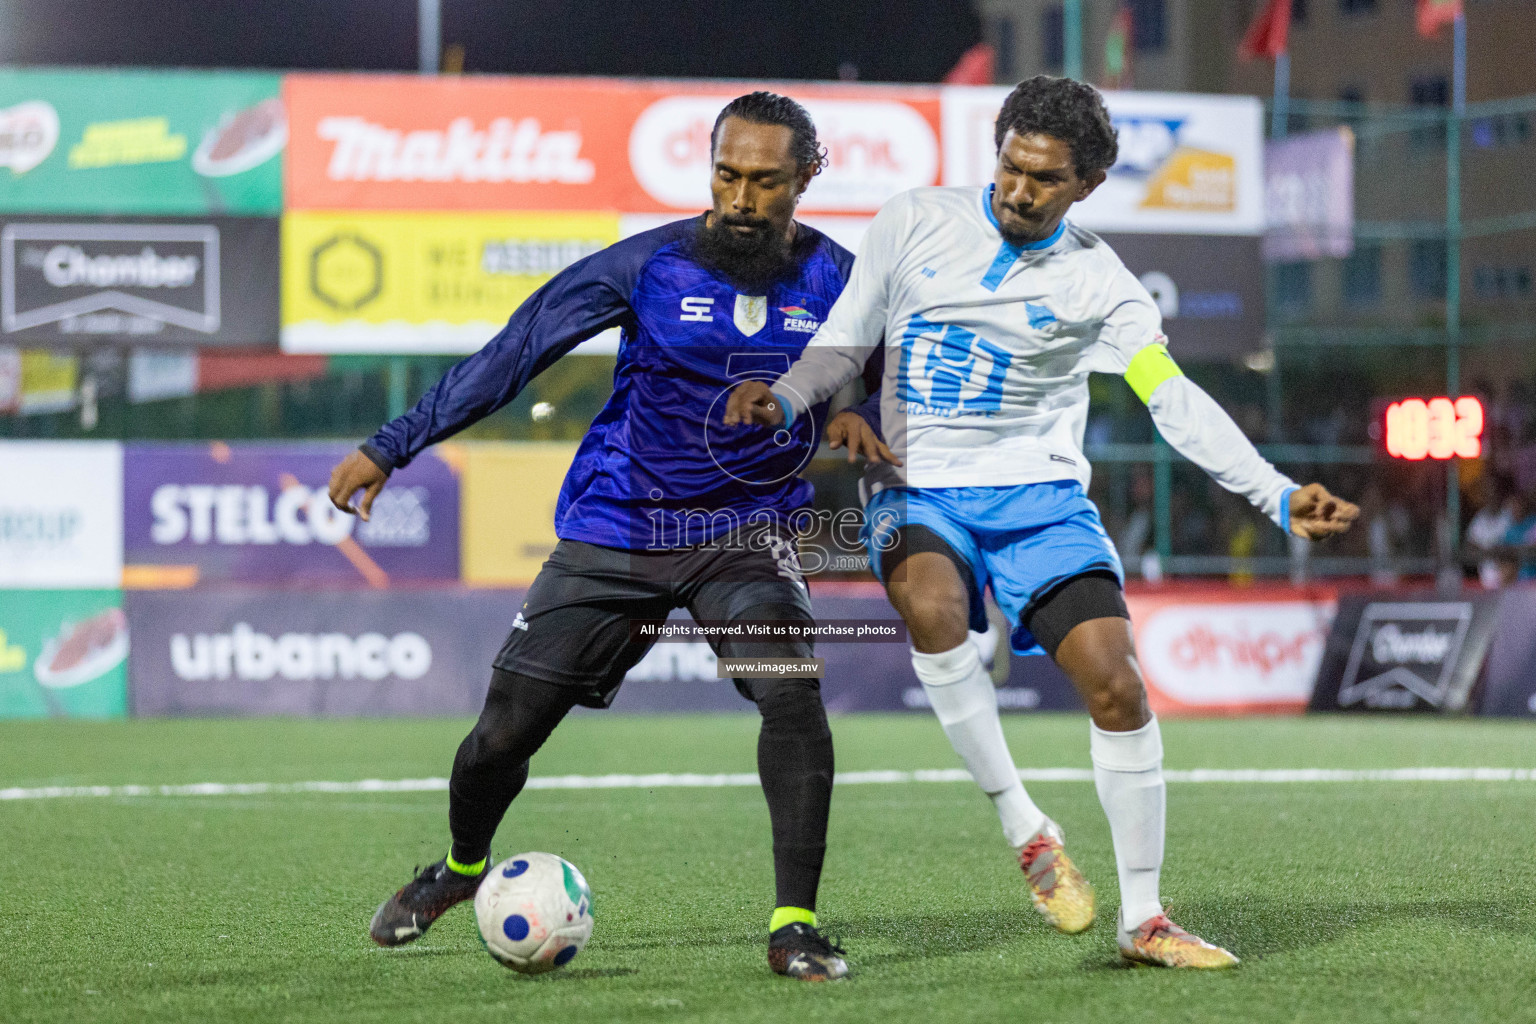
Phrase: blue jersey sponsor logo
x=1039 y=316
x=948 y=370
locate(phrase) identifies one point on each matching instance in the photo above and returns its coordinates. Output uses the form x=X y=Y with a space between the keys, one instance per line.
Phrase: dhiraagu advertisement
x=421 y=282
x=63 y=653
x=141 y=142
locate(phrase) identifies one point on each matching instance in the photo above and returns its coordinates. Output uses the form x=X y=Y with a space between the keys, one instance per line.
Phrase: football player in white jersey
x=994 y=310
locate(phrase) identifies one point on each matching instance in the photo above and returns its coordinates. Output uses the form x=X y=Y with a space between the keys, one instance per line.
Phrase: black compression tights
x=794 y=761
x=492 y=763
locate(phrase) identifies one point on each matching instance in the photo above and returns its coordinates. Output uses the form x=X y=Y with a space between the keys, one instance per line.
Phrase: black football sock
x=491 y=766
x=794 y=762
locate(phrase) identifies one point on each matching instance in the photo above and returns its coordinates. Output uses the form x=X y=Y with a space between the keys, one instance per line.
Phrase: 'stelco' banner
x=1188 y=164
x=260 y=513
x=421 y=282
x=141 y=142
x=205 y=282
x=406 y=142
x=63 y=653
x=1228 y=651
x=61 y=514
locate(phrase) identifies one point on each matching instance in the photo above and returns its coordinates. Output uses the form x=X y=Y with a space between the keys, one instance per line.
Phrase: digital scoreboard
x=1436 y=428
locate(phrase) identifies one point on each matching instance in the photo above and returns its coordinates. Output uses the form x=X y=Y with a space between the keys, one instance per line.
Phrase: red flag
x=974 y=66
x=1117 y=51
x=1270 y=33
x=1435 y=13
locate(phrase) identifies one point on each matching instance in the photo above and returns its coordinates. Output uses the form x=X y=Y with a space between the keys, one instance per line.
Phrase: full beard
x=753 y=261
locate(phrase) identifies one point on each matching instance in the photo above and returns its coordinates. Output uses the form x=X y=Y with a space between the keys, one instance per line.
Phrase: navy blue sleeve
x=584 y=299
x=869 y=409
x=874 y=370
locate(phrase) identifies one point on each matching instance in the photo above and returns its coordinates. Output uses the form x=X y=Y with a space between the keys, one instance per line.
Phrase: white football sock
x=965 y=701
x=1128 y=773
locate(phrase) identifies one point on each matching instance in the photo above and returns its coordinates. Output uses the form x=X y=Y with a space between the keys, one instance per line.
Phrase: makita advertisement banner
x=196 y=282
x=260 y=513
x=1418 y=653
x=405 y=142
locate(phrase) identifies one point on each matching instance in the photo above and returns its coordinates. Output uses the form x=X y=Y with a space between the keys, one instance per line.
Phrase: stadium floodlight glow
x=1437 y=429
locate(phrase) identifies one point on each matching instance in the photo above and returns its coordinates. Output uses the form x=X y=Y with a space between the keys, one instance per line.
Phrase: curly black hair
x=771 y=108
x=1065 y=109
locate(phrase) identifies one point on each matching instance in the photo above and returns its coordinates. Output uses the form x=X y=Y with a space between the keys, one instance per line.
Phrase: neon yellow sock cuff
x=466 y=869
x=791 y=915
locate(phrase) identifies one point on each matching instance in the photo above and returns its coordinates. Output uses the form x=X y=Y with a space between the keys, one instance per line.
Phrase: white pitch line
x=667 y=780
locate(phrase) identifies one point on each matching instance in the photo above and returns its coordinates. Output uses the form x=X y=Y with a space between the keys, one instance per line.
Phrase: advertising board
x=1309 y=196
x=207 y=282
x=260 y=513
x=61 y=514
x=508 y=503
x=1406 y=653
x=636 y=146
x=421 y=282
x=1189 y=164
x=141 y=142
x=233 y=651
x=63 y=653
x=1228 y=651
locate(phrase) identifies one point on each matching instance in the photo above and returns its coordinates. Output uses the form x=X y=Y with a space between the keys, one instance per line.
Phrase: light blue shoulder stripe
x=1008 y=253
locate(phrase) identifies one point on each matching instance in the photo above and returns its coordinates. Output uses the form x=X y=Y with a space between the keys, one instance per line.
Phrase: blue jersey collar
x=1044 y=243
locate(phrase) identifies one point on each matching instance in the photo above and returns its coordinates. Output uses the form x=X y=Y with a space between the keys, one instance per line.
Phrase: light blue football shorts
x=1023 y=541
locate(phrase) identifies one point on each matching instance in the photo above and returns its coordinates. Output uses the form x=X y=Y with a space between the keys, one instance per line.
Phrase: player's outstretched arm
x=357 y=472
x=584 y=299
x=1200 y=430
x=1316 y=514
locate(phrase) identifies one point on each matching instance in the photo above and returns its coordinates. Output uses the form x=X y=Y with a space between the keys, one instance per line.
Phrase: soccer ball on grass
x=534 y=911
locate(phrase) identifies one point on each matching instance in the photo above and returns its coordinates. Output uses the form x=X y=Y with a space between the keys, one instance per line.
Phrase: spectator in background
x=1497 y=509
x=1519 y=552
x=1133 y=540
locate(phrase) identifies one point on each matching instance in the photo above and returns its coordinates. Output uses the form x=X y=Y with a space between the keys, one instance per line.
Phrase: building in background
x=1349 y=52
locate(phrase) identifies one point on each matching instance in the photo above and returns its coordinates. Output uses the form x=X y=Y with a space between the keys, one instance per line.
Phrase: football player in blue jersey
x=659 y=511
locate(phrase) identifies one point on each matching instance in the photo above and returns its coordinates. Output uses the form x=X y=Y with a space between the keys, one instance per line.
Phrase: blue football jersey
x=657 y=468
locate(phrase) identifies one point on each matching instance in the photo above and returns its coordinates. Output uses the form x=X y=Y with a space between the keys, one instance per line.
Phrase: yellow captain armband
x=1149 y=368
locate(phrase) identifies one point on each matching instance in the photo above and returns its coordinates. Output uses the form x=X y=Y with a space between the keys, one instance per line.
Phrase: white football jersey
x=989 y=346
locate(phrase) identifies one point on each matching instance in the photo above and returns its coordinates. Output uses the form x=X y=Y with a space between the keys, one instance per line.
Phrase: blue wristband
x=789 y=410
x=1283 y=513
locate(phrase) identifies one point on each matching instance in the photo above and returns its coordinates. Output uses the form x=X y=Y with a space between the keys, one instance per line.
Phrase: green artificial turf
x=1359 y=902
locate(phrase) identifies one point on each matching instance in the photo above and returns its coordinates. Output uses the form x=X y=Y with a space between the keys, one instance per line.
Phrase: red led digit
x=1469 y=428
